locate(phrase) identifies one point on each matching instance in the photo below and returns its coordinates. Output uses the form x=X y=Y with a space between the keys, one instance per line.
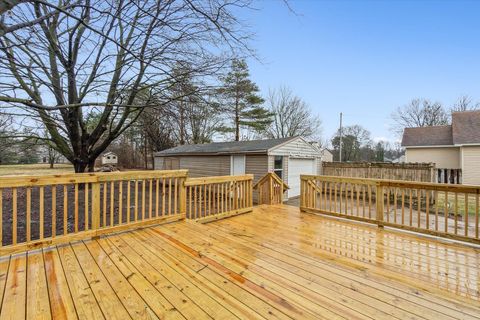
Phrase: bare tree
x=292 y=116
x=419 y=113
x=92 y=58
x=464 y=103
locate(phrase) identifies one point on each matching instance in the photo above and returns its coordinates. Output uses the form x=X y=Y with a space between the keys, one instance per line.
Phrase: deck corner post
x=379 y=204
x=95 y=205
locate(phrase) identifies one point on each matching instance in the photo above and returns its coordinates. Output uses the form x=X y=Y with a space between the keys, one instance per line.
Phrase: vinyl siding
x=296 y=148
x=199 y=166
x=447 y=158
x=258 y=166
x=471 y=165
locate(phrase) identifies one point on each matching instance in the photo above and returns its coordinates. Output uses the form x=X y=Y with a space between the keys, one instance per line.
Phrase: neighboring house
x=109 y=158
x=287 y=157
x=327 y=156
x=455 y=146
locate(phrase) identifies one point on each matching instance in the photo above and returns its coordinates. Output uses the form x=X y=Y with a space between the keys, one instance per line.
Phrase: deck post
x=379 y=204
x=182 y=196
x=95 y=205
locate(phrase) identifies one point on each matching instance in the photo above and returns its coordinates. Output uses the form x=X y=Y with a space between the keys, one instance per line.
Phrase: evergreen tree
x=241 y=101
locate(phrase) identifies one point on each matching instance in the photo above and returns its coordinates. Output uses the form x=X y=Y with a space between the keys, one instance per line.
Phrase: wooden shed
x=287 y=157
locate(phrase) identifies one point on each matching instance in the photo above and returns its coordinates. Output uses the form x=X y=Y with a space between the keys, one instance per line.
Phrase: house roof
x=427 y=136
x=252 y=146
x=465 y=129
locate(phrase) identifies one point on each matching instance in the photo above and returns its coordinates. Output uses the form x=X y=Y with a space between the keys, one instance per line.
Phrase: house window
x=278 y=166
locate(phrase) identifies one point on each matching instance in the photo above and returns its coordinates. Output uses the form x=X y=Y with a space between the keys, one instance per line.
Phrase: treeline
x=357 y=145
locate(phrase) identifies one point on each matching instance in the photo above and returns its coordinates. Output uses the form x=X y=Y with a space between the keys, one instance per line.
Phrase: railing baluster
x=14 y=216
x=112 y=202
x=466 y=215
x=54 y=211
x=29 y=214
x=65 y=210
x=42 y=212
x=144 y=182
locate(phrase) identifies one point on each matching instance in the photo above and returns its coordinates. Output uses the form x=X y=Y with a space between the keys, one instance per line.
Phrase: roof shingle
x=225 y=147
x=427 y=136
x=466 y=127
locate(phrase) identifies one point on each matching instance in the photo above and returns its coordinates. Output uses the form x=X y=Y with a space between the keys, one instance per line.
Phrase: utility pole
x=341 y=133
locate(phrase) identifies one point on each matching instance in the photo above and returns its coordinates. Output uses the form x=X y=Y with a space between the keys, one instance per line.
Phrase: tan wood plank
x=156 y=301
x=84 y=300
x=38 y=305
x=177 y=298
x=14 y=300
x=203 y=300
x=131 y=300
x=223 y=243
x=189 y=267
x=61 y=302
x=4 y=265
x=108 y=301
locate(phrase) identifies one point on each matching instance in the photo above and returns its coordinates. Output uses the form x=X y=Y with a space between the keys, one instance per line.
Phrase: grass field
x=471 y=203
x=34 y=169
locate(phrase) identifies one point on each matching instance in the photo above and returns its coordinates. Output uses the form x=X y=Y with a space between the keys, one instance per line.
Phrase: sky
x=366 y=58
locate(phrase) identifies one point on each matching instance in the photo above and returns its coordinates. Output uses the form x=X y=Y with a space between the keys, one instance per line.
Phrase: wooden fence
x=420 y=172
x=444 y=210
x=213 y=198
x=37 y=211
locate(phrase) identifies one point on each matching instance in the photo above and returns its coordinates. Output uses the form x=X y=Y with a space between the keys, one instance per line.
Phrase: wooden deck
x=272 y=263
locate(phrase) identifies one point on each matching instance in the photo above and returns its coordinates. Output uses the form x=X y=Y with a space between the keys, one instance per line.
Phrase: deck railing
x=36 y=211
x=213 y=198
x=270 y=189
x=450 y=211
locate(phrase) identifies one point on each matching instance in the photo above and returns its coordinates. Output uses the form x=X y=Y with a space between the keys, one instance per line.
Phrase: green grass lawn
x=471 y=205
x=34 y=169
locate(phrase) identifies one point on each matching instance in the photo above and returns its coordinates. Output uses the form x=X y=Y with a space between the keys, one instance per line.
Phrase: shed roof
x=252 y=146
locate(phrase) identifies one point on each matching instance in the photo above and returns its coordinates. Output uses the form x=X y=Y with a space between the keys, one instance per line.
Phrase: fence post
x=95 y=205
x=379 y=204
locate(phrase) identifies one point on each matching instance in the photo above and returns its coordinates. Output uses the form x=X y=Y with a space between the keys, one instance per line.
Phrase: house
x=287 y=157
x=450 y=147
x=327 y=155
x=109 y=158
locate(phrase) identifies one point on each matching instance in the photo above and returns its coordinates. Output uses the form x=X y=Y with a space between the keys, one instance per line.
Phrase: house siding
x=197 y=166
x=258 y=166
x=297 y=148
x=448 y=158
x=471 y=165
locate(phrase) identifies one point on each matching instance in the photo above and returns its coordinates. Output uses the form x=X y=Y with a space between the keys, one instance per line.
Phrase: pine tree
x=241 y=101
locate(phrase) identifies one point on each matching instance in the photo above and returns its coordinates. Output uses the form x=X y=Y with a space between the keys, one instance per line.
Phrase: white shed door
x=238 y=165
x=296 y=167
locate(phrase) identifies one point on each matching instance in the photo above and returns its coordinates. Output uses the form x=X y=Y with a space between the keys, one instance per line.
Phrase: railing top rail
x=90 y=177
x=217 y=179
x=274 y=177
x=397 y=183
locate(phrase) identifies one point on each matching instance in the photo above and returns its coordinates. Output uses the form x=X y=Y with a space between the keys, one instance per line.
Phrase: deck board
x=273 y=263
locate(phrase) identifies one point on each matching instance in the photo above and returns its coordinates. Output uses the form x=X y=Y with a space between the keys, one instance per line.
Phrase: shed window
x=278 y=166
